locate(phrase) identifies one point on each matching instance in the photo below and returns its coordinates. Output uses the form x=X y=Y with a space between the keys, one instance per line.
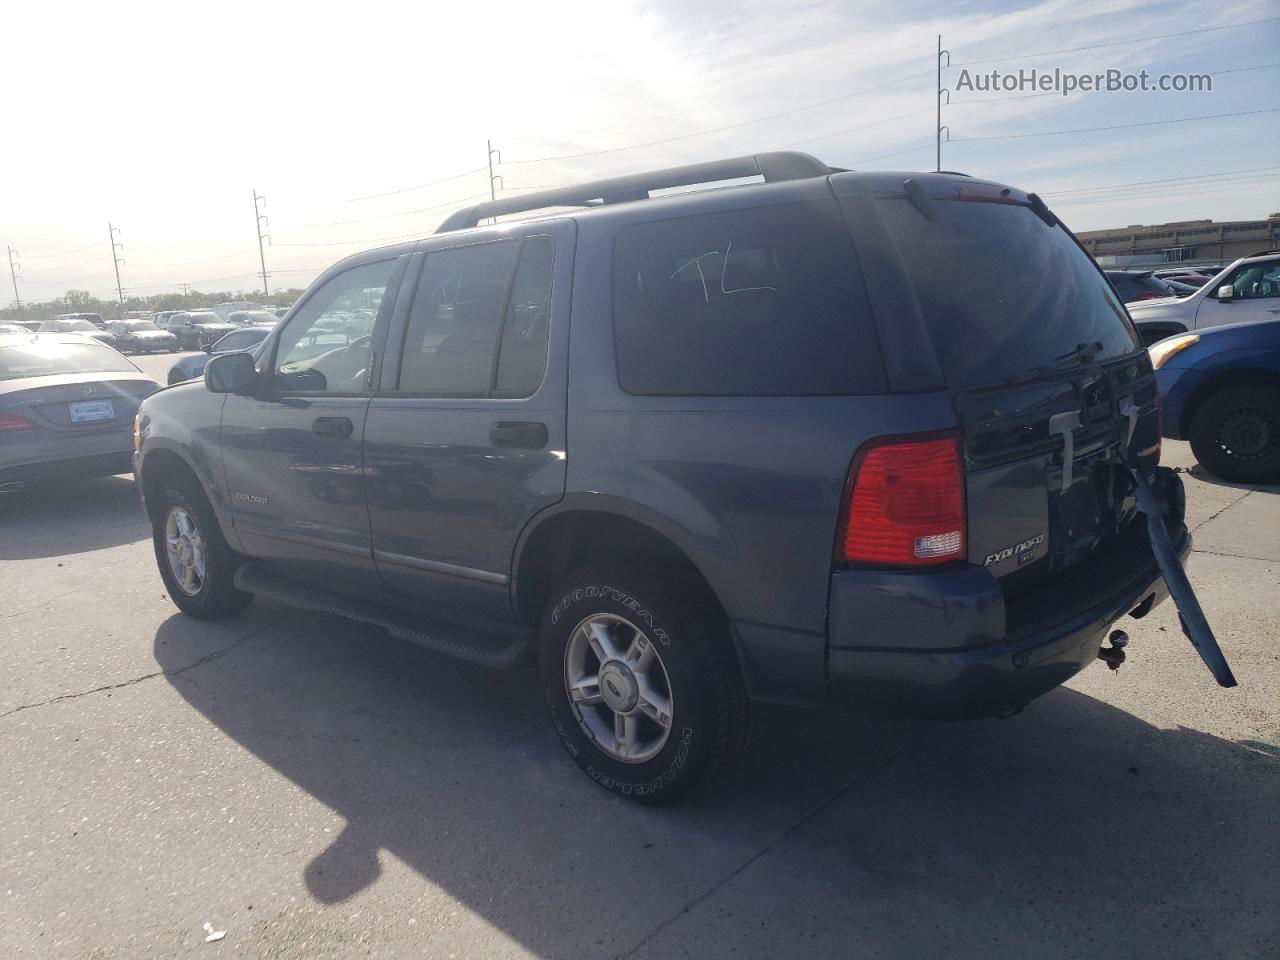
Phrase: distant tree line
x=81 y=301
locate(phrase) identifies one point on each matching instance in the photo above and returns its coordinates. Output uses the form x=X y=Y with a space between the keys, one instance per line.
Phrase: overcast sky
x=163 y=117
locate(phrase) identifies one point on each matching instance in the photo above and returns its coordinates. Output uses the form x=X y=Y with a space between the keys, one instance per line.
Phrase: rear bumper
x=94 y=465
x=970 y=654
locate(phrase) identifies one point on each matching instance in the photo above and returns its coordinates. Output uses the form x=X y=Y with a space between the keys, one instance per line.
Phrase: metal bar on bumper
x=1194 y=623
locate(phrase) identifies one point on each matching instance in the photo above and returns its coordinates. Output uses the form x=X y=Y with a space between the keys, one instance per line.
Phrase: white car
x=1247 y=290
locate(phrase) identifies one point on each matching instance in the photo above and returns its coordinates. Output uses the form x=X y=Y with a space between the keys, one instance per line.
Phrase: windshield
x=72 y=325
x=1001 y=291
x=136 y=325
x=47 y=358
x=205 y=318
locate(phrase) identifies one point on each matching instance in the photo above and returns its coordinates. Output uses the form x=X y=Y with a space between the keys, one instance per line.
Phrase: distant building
x=1185 y=242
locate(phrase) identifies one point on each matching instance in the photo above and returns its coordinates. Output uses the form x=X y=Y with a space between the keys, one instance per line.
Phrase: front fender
x=185 y=420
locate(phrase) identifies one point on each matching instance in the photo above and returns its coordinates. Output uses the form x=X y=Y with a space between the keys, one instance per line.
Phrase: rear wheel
x=642 y=683
x=1235 y=433
x=195 y=562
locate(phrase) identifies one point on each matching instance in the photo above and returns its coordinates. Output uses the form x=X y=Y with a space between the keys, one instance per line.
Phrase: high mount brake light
x=905 y=503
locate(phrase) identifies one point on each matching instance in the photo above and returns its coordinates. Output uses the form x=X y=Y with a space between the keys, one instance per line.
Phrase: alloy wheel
x=618 y=687
x=185 y=549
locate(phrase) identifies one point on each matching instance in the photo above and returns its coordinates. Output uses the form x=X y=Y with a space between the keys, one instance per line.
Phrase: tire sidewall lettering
x=625 y=600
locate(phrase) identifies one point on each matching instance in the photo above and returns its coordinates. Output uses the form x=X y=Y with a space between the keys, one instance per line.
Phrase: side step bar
x=462 y=643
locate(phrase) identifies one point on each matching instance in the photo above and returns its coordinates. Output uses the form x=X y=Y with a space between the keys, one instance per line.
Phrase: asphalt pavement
x=315 y=789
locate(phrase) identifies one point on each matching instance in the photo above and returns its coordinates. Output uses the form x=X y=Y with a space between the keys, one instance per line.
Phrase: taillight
x=906 y=504
x=16 y=423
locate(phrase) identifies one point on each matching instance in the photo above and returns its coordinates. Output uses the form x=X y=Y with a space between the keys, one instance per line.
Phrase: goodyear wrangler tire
x=642 y=683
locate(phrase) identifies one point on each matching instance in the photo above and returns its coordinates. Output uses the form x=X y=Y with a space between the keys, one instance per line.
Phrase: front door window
x=326 y=346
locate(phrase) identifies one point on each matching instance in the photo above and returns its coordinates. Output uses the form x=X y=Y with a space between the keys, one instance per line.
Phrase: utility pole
x=13 y=272
x=941 y=90
x=259 y=217
x=186 y=287
x=116 y=247
x=494 y=179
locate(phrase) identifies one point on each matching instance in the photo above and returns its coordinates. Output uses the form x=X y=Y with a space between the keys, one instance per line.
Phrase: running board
x=462 y=643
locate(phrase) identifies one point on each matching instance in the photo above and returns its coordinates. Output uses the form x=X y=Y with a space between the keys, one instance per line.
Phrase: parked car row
x=1245 y=291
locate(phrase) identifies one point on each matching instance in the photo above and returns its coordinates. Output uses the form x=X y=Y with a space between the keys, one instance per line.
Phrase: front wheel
x=196 y=564
x=1235 y=433
x=642 y=682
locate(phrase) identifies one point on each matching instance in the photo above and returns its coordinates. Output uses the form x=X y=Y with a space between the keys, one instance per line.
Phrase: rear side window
x=764 y=301
x=1001 y=291
x=480 y=320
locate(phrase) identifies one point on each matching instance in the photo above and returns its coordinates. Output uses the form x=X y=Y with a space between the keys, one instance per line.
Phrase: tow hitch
x=1113 y=655
x=1190 y=616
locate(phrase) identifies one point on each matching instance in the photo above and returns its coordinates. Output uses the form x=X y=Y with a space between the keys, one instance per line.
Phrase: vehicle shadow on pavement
x=1203 y=475
x=1073 y=829
x=65 y=516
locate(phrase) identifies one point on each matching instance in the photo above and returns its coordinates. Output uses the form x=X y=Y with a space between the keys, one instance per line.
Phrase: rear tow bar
x=1190 y=616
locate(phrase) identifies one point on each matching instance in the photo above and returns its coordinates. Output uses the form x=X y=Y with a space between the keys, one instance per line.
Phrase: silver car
x=67 y=405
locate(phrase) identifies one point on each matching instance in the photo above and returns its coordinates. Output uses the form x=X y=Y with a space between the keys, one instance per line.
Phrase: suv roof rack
x=773 y=167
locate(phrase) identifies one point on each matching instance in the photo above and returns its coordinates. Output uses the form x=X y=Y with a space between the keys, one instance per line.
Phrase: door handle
x=339 y=428
x=528 y=435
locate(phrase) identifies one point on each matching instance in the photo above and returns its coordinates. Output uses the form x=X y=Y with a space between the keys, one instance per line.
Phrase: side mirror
x=230 y=373
x=1226 y=292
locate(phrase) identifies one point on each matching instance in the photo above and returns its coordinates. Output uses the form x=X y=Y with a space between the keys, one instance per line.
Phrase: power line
x=731 y=126
x=70 y=266
x=1169 y=190
x=865 y=126
x=1196 y=190
x=886 y=156
x=187 y=263
x=350 y=243
x=1117 y=126
x=1118 y=43
x=704 y=106
x=1261 y=66
x=65 y=253
x=1143 y=183
x=420 y=186
x=383 y=216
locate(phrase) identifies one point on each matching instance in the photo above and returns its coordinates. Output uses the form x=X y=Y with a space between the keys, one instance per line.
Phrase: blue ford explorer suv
x=863 y=436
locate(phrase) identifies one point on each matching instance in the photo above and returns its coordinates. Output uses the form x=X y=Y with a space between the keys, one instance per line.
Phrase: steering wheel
x=347 y=362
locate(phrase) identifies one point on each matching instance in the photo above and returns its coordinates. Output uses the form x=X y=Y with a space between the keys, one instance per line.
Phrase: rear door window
x=763 y=301
x=1001 y=291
